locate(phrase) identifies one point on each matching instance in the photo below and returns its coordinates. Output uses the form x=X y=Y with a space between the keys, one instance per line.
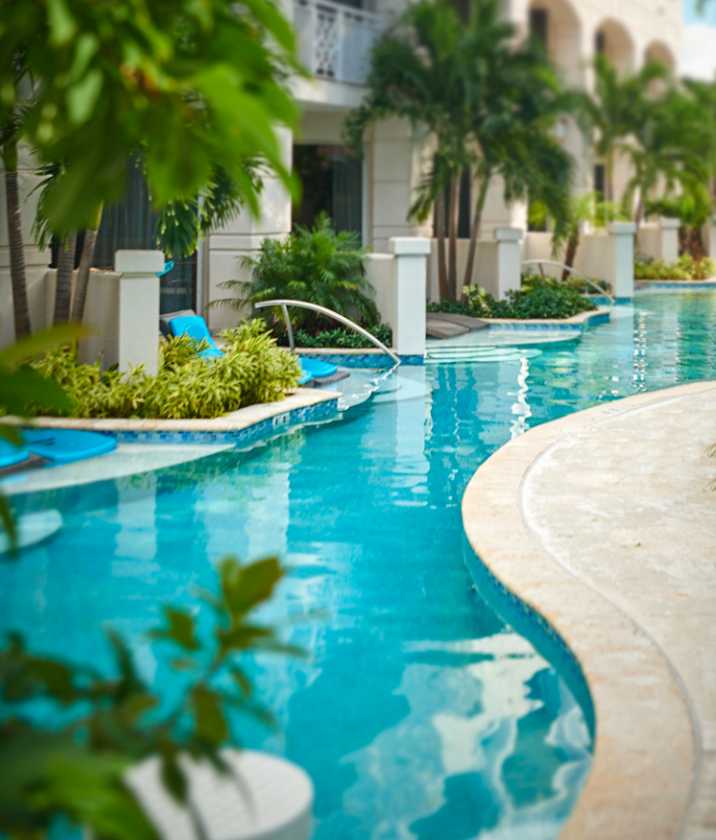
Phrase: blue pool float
x=316 y=368
x=63 y=446
x=12 y=455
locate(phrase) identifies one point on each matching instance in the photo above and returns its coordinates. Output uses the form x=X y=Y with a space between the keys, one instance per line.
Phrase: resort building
x=370 y=195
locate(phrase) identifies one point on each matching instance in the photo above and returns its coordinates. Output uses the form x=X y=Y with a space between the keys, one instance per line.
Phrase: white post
x=508 y=260
x=620 y=270
x=710 y=237
x=410 y=293
x=669 y=239
x=138 y=316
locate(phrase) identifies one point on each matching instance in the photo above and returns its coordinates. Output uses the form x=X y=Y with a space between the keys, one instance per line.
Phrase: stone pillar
x=138 y=313
x=669 y=239
x=620 y=268
x=409 y=293
x=509 y=259
x=397 y=161
x=709 y=235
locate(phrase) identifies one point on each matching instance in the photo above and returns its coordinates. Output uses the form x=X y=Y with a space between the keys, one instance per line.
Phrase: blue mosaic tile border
x=363 y=360
x=529 y=623
x=645 y=285
x=240 y=437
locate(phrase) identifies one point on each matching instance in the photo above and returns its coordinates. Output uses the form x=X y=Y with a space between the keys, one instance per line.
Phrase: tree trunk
x=18 y=279
x=475 y=228
x=571 y=252
x=63 y=285
x=609 y=177
x=83 y=273
x=453 y=210
x=440 y=236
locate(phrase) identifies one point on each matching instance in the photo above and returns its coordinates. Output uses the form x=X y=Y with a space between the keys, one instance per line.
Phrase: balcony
x=335 y=40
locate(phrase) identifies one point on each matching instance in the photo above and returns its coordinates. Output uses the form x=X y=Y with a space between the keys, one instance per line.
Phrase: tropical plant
x=193 y=86
x=344 y=338
x=98 y=725
x=540 y=298
x=685 y=268
x=615 y=110
x=316 y=265
x=251 y=370
x=10 y=124
x=489 y=104
x=666 y=152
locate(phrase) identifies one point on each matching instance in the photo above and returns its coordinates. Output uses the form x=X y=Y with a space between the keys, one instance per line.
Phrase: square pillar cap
x=507 y=234
x=138 y=262
x=669 y=224
x=622 y=228
x=409 y=245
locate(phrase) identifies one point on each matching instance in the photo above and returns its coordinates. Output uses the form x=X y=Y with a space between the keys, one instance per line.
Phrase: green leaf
x=28 y=348
x=82 y=96
x=245 y=587
x=62 y=24
x=209 y=717
x=181 y=629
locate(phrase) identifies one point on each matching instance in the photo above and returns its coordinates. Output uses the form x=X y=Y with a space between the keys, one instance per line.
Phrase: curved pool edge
x=244 y=427
x=647 y=751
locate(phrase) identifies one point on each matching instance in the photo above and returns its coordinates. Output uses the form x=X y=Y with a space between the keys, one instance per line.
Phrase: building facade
x=372 y=195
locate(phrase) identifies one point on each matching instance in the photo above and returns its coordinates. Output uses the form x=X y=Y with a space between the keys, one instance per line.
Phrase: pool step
x=461 y=354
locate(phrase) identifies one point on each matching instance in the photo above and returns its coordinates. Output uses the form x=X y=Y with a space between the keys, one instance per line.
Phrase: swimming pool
x=421 y=714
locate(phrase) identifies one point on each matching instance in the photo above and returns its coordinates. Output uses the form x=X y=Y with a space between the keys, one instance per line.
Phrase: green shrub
x=252 y=370
x=540 y=298
x=316 y=265
x=344 y=338
x=685 y=268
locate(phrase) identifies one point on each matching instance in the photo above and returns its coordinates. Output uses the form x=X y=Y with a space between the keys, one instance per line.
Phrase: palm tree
x=488 y=103
x=615 y=110
x=10 y=119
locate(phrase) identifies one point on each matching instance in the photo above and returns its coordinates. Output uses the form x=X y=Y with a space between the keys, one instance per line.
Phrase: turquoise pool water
x=421 y=713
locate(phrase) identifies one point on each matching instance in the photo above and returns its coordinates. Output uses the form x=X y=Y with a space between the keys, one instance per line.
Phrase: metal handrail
x=568 y=268
x=302 y=304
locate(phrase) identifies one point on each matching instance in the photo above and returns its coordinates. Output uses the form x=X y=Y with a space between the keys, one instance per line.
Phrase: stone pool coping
x=243 y=426
x=643 y=781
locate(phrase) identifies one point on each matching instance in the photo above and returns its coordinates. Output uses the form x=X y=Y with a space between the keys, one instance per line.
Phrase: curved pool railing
x=568 y=268
x=323 y=310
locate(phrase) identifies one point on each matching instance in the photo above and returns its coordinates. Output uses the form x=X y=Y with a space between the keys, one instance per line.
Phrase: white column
x=138 y=315
x=620 y=270
x=669 y=239
x=509 y=259
x=710 y=237
x=409 y=293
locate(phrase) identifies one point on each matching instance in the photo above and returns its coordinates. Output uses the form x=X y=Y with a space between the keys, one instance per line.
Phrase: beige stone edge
x=235 y=421
x=577 y=320
x=647 y=744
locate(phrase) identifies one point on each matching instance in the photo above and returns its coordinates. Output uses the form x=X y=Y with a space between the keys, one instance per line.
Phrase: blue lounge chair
x=194 y=326
x=63 y=446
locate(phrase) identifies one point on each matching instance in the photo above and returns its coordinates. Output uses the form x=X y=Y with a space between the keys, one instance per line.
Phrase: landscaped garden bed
x=252 y=369
x=685 y=268
x=540 y=298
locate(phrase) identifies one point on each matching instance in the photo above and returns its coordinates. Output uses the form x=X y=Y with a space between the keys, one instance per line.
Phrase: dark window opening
x=599 y=180
x=539 y=25
x=600 y=43
x=131 y=223
x=332 y=183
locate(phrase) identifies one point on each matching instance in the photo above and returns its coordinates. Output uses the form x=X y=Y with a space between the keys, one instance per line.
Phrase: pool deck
x=605 y=523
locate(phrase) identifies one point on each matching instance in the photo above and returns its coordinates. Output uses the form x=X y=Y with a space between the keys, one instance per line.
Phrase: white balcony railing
x=335 y=40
